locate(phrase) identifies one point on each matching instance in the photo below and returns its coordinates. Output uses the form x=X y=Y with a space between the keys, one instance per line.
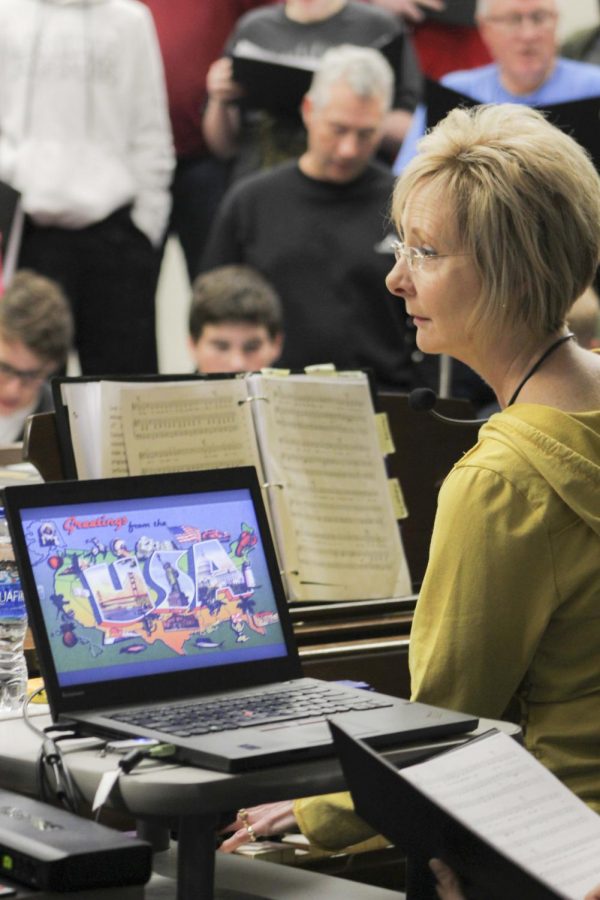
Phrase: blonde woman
x=499 y=224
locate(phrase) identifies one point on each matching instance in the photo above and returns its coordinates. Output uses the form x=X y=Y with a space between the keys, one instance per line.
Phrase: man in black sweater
x=318 y=230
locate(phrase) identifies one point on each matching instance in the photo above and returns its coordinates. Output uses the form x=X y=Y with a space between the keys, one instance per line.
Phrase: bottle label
x=12 y=602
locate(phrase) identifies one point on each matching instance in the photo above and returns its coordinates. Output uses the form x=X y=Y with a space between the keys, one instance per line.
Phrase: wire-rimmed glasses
x=26 y=377
x=539 y=18
x=416 y=258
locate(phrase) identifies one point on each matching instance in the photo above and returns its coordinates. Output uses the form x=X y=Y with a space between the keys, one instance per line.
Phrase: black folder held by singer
x=458 y=12
x=506 y=825
x=277 y=82
x=578 y=118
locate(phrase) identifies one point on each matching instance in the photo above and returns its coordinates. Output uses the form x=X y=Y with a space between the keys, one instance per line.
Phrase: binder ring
x=251 y=399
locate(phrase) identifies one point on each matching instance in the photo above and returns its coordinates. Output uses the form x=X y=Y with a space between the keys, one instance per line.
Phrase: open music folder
x=278 y=81
x=578 y=118
x=488 y=808
x=311 y=437
x=458 y=12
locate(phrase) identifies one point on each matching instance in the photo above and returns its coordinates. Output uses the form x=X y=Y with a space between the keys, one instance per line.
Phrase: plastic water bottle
x=13 y=625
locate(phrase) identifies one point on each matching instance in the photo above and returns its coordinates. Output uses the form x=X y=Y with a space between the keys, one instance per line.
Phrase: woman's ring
x=243 y=815
x=251 y=833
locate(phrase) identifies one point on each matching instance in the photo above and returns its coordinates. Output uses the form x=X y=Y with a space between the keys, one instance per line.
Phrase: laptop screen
x=152 y=585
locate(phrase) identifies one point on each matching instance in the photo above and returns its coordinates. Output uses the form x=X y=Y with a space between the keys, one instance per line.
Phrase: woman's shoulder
x=543 y=457
x=540 y=437
x=539 y=422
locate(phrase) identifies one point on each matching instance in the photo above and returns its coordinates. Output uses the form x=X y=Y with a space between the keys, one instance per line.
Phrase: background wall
x=172 y=303
x=577 y=14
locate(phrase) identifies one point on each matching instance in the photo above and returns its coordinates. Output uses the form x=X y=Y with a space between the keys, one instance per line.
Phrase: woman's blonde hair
x=526 y=201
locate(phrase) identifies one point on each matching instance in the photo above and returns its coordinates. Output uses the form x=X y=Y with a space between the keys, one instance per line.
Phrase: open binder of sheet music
x=312 y=439
x=494 y=813
x=504 y=795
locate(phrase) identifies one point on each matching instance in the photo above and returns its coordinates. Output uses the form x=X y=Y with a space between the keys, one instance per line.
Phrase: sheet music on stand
x=313 y=438
x=488 y=808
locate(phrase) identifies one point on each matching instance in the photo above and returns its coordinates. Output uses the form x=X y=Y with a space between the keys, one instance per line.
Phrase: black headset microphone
x=424 y=400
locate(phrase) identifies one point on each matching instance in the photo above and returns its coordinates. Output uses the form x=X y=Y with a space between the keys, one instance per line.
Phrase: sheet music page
x=502 y=793
x=185 y=426
x=82 y=400
x=113 y=452
x=329 y=494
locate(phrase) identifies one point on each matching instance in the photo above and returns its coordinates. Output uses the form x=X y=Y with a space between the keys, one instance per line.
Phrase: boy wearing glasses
x=36 y=334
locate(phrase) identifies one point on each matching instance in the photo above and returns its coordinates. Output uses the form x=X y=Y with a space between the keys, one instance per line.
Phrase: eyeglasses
x=416 y=258
x=539 y=18
x=27 y=377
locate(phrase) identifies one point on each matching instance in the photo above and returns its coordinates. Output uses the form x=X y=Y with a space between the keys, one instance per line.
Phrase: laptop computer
x=154 y=593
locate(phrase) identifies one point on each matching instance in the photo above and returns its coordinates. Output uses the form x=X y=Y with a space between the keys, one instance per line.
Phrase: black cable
x=53 y=779
x=60 y=786
x=125 y=766
x=131 y=759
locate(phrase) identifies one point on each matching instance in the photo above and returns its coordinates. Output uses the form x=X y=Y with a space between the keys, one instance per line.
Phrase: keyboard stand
x=164 y=796
x=195 y=852
x=196 y=857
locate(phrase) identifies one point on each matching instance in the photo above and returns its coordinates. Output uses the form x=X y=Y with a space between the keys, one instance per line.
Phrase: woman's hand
x=594 y=894
x=448 y=885
x=259 y=821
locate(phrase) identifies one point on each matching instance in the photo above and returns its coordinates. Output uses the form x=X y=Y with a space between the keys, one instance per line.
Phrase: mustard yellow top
x=510 y=604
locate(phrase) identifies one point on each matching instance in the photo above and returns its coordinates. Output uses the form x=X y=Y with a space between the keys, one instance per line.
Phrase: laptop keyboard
x=289 y=704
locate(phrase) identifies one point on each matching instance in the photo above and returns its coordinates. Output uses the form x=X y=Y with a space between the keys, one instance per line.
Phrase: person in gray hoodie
x=85 y=137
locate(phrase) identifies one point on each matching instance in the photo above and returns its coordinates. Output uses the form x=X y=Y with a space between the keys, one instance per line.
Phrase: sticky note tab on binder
x=321 y=369
x=399 y=506
x=384 y=435
x=351 y=373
